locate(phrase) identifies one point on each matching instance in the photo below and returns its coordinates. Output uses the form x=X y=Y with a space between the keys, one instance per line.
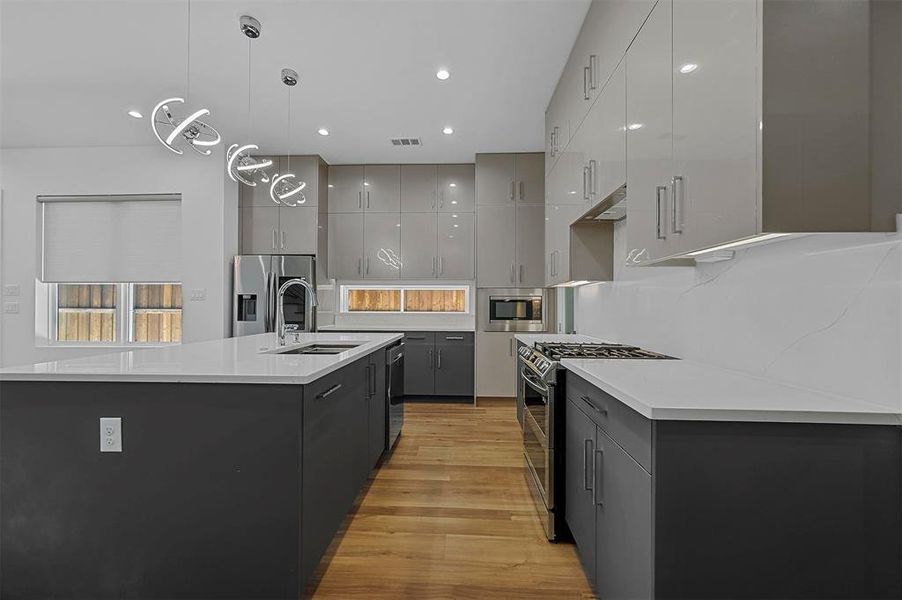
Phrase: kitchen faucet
x=280 y=314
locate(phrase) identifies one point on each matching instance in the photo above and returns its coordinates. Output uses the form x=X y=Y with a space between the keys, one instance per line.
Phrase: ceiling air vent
x=406 y=141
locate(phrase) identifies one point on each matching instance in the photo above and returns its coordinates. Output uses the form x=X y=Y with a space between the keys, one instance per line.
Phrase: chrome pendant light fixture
x=286 y=188
x=171 y=129
x=241 y=164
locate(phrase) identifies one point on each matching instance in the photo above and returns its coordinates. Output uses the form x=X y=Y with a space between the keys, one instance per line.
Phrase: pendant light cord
x=248 y=132
x=289 y=128
x=188 y=52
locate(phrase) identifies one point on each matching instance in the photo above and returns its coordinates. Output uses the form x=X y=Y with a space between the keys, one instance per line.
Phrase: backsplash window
x=86 y=312
x=398 y=299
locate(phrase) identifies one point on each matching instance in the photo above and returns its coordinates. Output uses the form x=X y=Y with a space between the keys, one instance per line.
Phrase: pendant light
x=170 y=129
x=287 y=189
x=241 y=164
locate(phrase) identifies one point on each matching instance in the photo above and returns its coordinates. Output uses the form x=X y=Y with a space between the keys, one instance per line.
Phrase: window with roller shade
x=112 y=266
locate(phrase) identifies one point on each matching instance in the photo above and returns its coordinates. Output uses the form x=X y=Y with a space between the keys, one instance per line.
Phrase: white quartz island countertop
x=230 y=360
x=689 y=390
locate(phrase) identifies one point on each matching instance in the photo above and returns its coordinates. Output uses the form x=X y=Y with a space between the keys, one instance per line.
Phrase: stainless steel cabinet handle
x=369 y=393
x=282 y=239
x=585 y=83
x=677 y=184
x=598 y=476
x=330 y=391
x=593 y=72
x=593 y=172
x=587 y=472
x=521 y=273
x=431 y=363
x=367 y=198
x=601 y=411
x=513 y=280
x=273 y=239
x=521 y=191
x=512 y=191
x=433 y=198
x=586 y=183
x=366 y=265
x=441 y=198
x=454 y=337
x=397 y=358
x=359 y=199
x=510 y=346
x=372 y=380
x=659 y=230
x=441 y=265
x=439 y=360
x=433 y=266
x=358 y=265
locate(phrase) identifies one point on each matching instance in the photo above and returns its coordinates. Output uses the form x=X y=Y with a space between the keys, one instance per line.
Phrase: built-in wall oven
x=514 y=309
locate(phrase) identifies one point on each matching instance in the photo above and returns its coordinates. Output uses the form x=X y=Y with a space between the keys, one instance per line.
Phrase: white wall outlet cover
x=111 y=434
x=11 y=308
x=198 y=294
x=11 y=289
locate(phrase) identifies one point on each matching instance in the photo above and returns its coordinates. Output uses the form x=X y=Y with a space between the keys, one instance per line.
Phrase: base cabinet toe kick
x=220 y=490
x=705 y=509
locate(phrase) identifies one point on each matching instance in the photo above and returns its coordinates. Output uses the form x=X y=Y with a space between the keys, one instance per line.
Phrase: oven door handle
x=534 y=383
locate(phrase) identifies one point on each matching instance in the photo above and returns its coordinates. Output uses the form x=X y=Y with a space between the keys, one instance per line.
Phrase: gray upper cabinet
x=529 y=173
x=456 y=246
x=345 y=188
x=382 y=188
x=418 y=245
x=418 y=188
x=456 y=187
x=530 y=245
x=258 y=195
x=382 y=246
x=496 y=242
x=260 y=229
x=298 y=229
x=346 y=246
x=495 y=174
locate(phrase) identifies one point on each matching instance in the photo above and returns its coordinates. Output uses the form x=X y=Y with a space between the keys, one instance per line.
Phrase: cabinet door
x=605 y=142
x=453 y=368
x=456 y=245
x=258 y=195
x=418 y=245
x=649 y=137
x=530 y=245
x=714 y=123
x=382 y=246
x=495 y=179
x=382 y=188
x=346 y=246
x=579 y=509
x=418 y=193
x=259 y=229
x=623 y=566
x=378 y=413
x=496 y=364
x=419 y=364
x=530 y=178
x=305 y=168
x=496 y=238
x=345 y=188
x=557 y=135
x=456 y=188
x=297 y=227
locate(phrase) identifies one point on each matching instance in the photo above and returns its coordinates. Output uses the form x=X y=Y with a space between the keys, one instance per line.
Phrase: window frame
x=345 y=289
x=124 y=312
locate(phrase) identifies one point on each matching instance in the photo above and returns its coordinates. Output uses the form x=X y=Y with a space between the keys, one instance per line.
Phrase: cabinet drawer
x=461 y=338
x=420 y=337
x=624 y=425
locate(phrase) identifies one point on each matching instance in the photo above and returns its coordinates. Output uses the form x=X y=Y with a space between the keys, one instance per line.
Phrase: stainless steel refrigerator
x=257 y=278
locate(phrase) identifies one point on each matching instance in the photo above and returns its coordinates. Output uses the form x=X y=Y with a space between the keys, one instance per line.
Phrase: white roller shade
x=97 y=239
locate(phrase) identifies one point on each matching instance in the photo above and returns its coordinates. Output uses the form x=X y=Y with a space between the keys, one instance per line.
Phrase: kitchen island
x=237 y=467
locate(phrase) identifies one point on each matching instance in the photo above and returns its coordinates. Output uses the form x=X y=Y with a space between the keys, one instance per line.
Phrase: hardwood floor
x=449 y=515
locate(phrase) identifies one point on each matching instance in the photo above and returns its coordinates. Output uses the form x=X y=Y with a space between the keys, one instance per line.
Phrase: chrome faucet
x=280 y=314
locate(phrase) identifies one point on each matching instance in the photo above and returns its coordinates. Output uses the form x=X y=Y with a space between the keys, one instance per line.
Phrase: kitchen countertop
x=394 y=328
x=689 y=390
x=229 y=360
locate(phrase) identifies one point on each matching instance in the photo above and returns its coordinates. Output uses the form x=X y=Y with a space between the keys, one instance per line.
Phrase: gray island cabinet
x=677 y=509
x=223 y=489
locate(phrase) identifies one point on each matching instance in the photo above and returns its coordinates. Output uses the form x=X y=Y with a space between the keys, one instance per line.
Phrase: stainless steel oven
x=514 y=309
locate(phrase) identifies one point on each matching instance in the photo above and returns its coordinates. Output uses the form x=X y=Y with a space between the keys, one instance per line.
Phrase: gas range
x=544 y=357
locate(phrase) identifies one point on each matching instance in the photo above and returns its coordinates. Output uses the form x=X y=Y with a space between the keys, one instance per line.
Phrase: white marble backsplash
x=820 y=311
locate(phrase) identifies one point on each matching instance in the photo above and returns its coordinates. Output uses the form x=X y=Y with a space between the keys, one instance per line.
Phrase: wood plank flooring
x=449 y=515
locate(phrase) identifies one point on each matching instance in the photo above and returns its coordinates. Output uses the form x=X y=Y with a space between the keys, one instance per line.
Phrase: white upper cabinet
x=346 y=246
x=456 y=188
x=418 y=245
x=345 y=188
x=456 y=245
x=606 y=165
x=529 y=173
x=496 y=244
x=382 y=188
x=649 y=137
x=382 y=246
x=714 y=186
x=418 y=188
x=495 y=179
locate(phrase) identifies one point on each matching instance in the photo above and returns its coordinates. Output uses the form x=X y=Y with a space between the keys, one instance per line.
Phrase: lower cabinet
x=378 y=410
x=439 y=364
x=496 y=364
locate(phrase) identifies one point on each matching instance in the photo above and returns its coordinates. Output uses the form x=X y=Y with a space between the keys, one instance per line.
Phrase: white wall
x=209 y=221
x=819 y=311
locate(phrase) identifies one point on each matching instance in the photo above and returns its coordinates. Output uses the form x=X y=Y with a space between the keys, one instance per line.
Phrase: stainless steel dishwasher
x=394 y=393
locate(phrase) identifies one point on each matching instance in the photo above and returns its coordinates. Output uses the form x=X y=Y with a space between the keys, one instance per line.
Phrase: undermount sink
x=336 y=348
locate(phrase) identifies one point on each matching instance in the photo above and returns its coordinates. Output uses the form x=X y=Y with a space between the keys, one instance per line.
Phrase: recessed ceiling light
x=688 y=68
x=634 y=126
x=447 y=131
x=322 y=131
x=443 y=74
x=135 y=114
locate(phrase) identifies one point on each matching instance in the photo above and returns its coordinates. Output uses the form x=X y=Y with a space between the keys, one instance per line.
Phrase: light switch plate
x=11 y=289
x=11 y=308
x=111 y=434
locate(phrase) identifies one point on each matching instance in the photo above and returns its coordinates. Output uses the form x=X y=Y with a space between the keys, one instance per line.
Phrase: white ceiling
x=71 y=69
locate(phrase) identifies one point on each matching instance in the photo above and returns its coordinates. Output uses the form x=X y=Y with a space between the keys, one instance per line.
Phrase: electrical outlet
x=11 y=289
x=198 y=294
x=111 y=434
x=11 y=308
